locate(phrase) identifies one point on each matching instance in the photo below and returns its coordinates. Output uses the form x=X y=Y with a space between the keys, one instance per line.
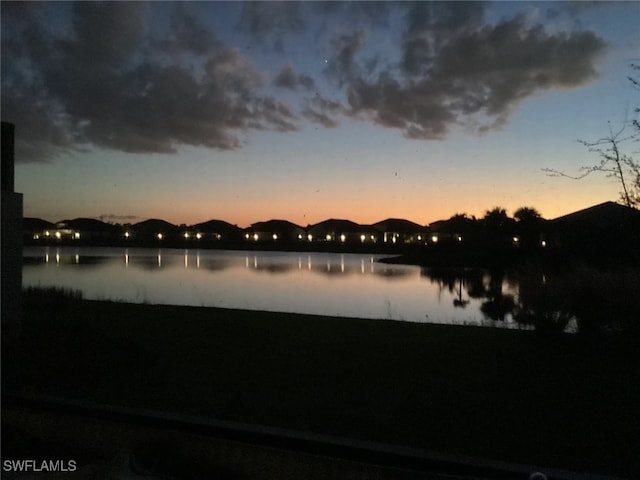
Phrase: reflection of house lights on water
x=186 y=260
x=198 y=260
x=126 y=259
x=57 y=259
x=159 y=260
x=77 y=258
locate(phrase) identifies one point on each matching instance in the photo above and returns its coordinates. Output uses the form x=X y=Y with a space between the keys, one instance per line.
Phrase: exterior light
x=328 y=237
x=218 y=236
x=160 y=236
x=58 y=235
x=310 y=237
x=434 y=238
x=516 y=239
x=543 y=243
x=47 y=233
x=275 y=236
x=459 y=238
x=299 y=236
x=127 y=234
x=419 y=238
x=246 y=235
x=36 y=236
x=76 y=235
x=343 y=237
x=362 y=238
x=198 y=236
x=255 y=237
x=186 y=234
x=372 y=238
x=393 y=239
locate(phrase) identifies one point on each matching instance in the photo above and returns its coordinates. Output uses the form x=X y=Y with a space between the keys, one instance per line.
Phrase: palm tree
x=528 y=226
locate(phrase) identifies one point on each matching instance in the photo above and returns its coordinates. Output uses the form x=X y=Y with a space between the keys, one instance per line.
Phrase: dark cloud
x=457 y=70
x=107 y=83
x=430 y=25
x=101 y=76
x=360 y=14
x=288 y=79
x=106 y=33
x=188 y=34
x=417 y=111
x=342 y=66
x=323 y=111
x=269 y=23
x=573 y=9
x=499 y=66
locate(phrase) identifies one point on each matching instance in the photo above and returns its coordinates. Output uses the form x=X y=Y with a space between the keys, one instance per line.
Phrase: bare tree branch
x=614 y=162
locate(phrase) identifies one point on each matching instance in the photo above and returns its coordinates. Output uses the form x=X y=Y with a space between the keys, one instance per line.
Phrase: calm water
x=352 y=285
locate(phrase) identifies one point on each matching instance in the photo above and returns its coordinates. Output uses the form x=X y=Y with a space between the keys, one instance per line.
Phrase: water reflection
x=328 y=284
x=495 y=288
x=343 y=285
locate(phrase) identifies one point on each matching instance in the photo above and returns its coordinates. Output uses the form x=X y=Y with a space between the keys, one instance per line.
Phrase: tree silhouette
x=496 y=218
x=527 y=215
x=614 y=162
x=528 y=226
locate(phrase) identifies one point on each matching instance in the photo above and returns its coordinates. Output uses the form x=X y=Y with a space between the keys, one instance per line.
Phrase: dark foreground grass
x=498 y=394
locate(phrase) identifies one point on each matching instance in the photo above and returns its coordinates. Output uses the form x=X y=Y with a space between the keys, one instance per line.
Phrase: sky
x=304 y=111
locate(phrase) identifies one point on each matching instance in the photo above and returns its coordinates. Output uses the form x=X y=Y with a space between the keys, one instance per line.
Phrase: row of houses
x=392 y=231
x=605 y=223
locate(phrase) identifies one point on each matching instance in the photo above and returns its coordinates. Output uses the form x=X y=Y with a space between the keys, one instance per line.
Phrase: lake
x=345 y=285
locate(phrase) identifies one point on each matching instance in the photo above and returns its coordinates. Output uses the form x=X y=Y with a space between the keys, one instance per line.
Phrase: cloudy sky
x=306 y=111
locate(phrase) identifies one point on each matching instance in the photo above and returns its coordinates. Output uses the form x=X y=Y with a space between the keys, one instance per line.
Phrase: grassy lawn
x=505 y=395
